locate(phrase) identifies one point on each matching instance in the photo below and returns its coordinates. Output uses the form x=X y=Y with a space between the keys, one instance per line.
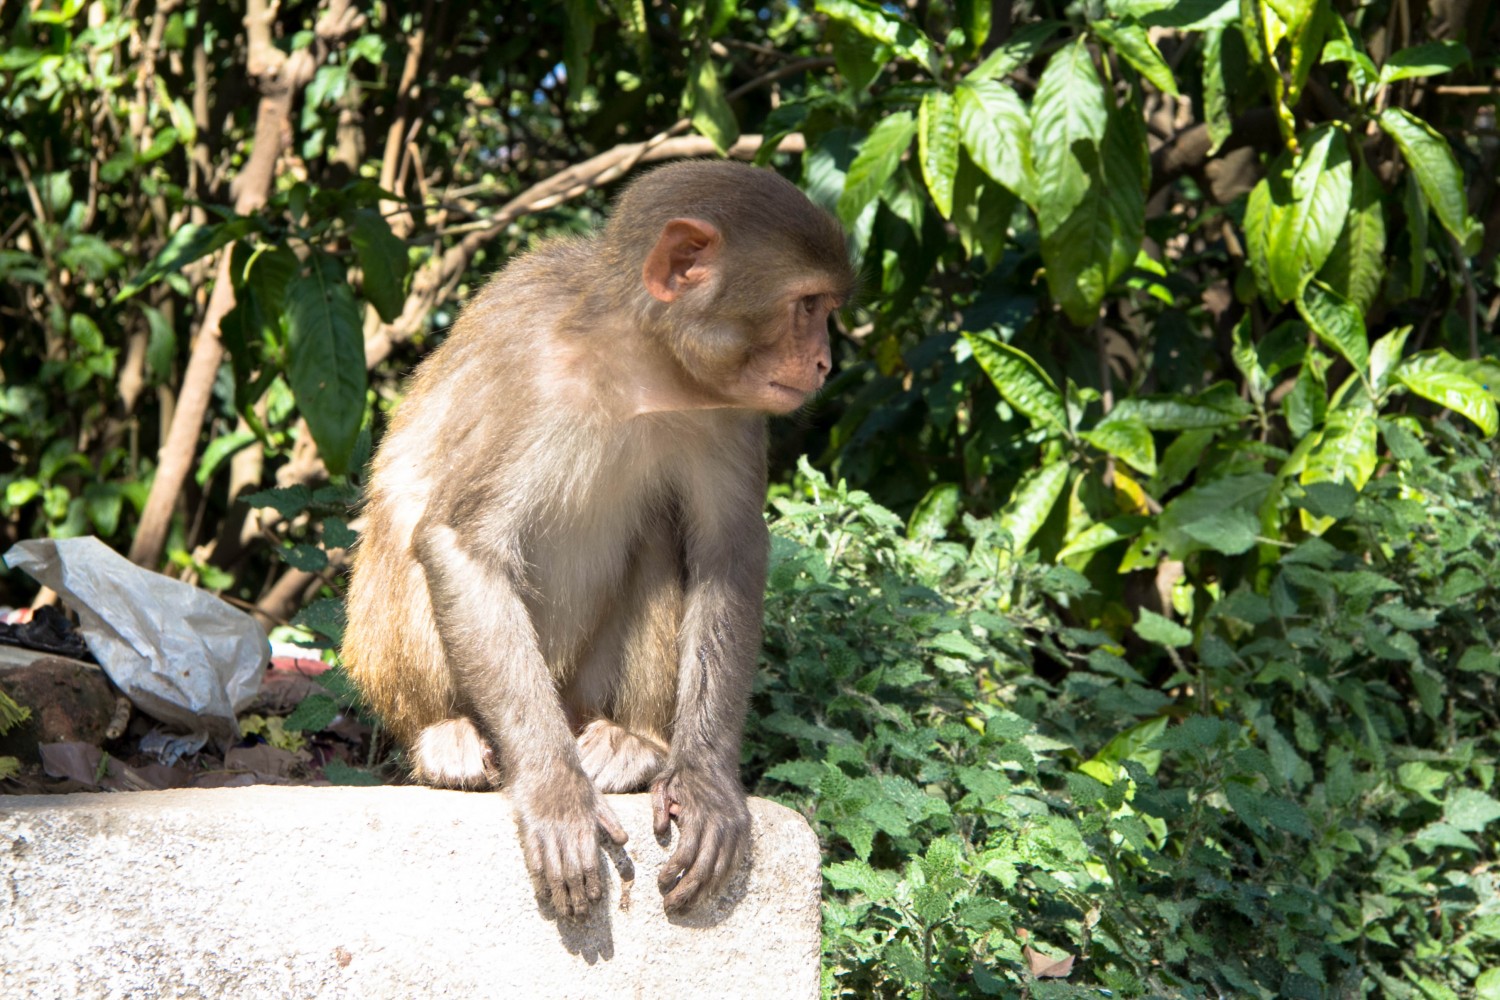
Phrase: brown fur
x=560 y=577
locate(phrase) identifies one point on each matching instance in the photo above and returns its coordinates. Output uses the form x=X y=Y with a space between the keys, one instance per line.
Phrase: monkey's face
x=790 y=358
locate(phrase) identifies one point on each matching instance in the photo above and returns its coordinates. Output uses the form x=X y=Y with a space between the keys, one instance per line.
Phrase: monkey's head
x=740 y=272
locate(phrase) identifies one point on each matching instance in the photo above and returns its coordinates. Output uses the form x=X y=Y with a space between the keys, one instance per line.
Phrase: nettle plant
x=1209 y=355
x=1294 y=797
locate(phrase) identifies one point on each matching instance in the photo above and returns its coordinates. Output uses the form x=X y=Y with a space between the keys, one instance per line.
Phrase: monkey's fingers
x=661 y=809
x=609 y=823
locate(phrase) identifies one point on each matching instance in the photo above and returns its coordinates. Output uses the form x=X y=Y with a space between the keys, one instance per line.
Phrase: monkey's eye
x=808 y=304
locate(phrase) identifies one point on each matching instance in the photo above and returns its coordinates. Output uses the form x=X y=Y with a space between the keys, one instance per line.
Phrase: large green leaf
x=1023 y=383
x=326 y=357
x=709 y=109
x=1104 y=533
x=884 y=26
x=1436 y=170
x=1129 y=39
x=1428 y=59
x=1336 y=322
x=1069 y=114
x=1218 y=515
x=878 y=158
x=253 y=328
x=1171 y=413
x=1034 y=497
x=937 y=147
x=982 y=211
x=1297 y=212
x=1384 y=354
x=1356 y=266
x=1346 y=452
x=186 y=245
x=1128 y=440
x=996 y=131
x=1440 y=377
x=382 y=258
x=1016 y=51
x=1097 y=242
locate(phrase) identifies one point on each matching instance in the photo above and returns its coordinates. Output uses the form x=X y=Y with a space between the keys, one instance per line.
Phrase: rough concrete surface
x=370 y=893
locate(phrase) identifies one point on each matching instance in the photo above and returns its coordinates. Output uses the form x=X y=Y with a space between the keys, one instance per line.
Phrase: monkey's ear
x=683 y=257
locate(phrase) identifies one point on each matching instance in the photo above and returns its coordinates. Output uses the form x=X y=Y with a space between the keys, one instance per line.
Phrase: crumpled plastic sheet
x=177 y=652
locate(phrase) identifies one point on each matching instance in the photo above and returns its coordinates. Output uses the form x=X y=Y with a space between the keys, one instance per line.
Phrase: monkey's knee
x=452 y=754
x=616 y=759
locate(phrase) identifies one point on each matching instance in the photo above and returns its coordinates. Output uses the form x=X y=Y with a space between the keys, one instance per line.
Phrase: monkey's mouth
x=792 y=390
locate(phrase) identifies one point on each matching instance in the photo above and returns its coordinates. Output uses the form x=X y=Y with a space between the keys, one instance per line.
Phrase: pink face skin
x=797 y=364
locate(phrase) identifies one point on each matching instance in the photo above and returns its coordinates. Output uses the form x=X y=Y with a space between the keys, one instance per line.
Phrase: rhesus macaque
x=559 y=584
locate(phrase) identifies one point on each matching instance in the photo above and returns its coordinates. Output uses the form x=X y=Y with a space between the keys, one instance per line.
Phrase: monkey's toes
x=452 y=754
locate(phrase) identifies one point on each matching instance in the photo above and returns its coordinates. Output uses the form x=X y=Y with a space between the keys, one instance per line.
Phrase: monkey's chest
x=582 y=549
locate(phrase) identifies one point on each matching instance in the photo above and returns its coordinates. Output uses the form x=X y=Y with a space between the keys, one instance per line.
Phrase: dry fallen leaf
x=1045 y=966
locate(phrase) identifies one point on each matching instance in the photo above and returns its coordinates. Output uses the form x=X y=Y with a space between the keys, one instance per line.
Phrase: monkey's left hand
x=713 y=825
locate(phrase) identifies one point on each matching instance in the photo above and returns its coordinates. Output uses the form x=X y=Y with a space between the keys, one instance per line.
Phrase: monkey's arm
x=491 y=645
x=720 y=643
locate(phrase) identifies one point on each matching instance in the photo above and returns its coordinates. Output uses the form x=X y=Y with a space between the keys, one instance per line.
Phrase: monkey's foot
x=452 y=754
x=618 y=760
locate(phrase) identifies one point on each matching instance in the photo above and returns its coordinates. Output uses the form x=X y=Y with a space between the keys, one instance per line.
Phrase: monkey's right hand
x=563 y=820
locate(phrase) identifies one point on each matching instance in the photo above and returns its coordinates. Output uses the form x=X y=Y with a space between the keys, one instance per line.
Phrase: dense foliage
x=1173 y=671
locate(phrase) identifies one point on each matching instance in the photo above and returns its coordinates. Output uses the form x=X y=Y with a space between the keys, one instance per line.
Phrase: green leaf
x=937 y=147
x=1034 y=497
x=1220 y=515
x=934 y=512
x=1356 y=266
x=982 y=212
x=881 y=25
x=1022 y=382
x=1017 y=50
x=339 y=773
x=859 y=60
x=1433 y=164
x=1346 y=452
x=382 y=258
x=1129 y=39
x=1336 y=322
x=1215 y=91
x=878 y=158
x=996 y=130
x=326 y=357
x=1128 y=440
x=1103 y=534
x=1163 y=631
x=1170 y=413
x=1068 y=113
x=632 y=17
x=219 y=449
x=858 y=876
x=1297 y=211
x=1428 y=59
x=187 y=244
x=1455 y=391
x=1098 y=241
x=709 y=109
x=313 y=714
x=1470 y=810
x=1327 y=499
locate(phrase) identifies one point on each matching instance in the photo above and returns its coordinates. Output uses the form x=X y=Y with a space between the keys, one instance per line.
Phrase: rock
x=373 y=892
x=69 y=701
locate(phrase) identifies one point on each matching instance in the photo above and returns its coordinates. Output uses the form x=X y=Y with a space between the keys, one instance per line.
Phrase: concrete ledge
x=372 y=892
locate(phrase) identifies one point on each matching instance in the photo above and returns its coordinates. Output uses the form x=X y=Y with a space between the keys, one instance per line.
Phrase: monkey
x=559 y=586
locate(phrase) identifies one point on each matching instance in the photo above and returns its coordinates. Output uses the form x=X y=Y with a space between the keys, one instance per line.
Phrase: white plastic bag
x=178 y=653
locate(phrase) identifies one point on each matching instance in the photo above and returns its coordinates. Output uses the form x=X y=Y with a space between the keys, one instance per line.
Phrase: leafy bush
x=1292 y=798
